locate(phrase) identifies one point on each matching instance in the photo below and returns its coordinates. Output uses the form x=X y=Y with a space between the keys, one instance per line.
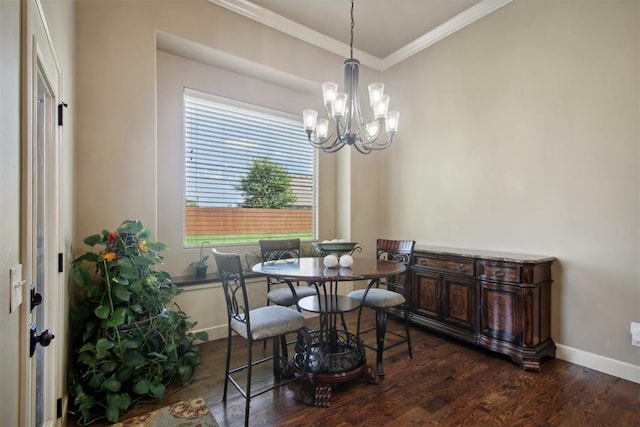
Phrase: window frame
x=260 y=112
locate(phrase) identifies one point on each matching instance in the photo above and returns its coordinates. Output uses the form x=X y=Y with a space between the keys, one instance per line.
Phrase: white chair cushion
x=269 y=322
x=283 y=295
x=378 y=298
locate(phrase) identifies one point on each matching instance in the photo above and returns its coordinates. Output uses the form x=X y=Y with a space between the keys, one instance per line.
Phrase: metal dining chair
x=384 y=294
x=279 y=291
x=253 y=325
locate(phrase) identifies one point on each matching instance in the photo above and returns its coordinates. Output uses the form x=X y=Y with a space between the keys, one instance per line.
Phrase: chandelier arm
x=355 y=123
x=342 y=133
x=341 y=130
x=362 y=148
x=381 y=146
x=328 y=148
x=336 y=146
x=326 y=145
x=371 y=139
x=339 y=126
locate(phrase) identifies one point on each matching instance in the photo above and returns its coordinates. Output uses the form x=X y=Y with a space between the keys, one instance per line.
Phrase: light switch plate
x=15 y=275
x=635 y=333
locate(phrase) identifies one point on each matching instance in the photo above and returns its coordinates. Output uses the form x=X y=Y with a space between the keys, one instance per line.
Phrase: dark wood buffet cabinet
x=499 y=301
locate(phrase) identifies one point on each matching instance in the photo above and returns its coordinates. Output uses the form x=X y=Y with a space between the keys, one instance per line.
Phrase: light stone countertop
x=476 y=253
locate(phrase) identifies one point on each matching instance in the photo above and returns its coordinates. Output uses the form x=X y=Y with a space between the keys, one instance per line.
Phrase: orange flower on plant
x=143 y=246
x=109 y=256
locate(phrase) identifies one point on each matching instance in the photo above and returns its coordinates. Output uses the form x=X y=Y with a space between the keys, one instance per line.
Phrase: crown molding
x=469 y=16
x=252 y=11
x=287 y=26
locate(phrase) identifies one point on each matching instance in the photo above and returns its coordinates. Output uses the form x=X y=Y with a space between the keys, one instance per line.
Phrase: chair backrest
x=275 y=249
x=233 y=285
x=400 y=251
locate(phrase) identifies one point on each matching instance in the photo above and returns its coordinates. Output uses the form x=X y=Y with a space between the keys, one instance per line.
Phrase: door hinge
x=60 y=262
x=59 y=408
x=36 y=298
x=60 y=107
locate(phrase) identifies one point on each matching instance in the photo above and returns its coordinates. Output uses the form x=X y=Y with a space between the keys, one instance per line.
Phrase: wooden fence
x=217 y=221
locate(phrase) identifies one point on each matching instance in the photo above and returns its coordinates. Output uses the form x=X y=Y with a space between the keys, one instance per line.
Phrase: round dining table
x=328 y=355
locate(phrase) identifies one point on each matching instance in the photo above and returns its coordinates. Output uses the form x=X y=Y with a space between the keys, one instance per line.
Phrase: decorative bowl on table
x=336 y=248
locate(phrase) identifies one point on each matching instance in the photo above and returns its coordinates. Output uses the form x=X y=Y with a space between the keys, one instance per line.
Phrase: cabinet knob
x=460 y=268
x=499 y=273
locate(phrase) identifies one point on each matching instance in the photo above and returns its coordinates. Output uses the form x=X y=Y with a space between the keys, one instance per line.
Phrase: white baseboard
x=599 y=363
x=214 y=332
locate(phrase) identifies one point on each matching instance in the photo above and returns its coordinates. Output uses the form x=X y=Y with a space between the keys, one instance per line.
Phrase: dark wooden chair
x=390 y=292
x=253 y=325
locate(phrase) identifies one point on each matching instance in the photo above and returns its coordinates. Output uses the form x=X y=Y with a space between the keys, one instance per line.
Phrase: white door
x=42 y=379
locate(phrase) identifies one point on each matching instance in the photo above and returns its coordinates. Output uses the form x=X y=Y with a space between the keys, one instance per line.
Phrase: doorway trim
x=39 y=58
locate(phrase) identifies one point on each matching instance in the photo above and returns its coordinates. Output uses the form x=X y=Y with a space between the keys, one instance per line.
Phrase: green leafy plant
x=203 y=261
x=201 y=265
x=132 y=340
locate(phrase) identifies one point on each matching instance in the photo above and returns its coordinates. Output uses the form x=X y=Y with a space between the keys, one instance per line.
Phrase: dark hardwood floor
x=446 y=384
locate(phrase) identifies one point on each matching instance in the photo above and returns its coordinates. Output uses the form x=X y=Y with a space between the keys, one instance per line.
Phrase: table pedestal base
x=316 y=390
x=323 y=363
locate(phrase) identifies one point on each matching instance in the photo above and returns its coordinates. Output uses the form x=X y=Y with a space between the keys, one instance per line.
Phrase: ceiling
x=385 y=31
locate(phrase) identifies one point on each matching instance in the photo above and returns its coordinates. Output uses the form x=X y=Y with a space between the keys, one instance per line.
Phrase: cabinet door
x=499 y=311
x=426 y=294
x=458 y=302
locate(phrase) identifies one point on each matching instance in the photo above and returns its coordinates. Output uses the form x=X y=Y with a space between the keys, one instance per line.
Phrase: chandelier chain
x=352 y=25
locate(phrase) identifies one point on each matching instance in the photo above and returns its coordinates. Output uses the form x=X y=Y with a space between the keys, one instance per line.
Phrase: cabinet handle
x=499 y=273
x=460 y=268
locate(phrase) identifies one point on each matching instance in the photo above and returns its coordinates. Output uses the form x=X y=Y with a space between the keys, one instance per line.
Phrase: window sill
x=190 y=280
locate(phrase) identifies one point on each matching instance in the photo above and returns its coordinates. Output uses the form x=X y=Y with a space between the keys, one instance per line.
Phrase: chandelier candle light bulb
x=392 y=121
x=329 y=92
x=376 y=90
x=322 y=128
x=351 y=127
x=309 y=117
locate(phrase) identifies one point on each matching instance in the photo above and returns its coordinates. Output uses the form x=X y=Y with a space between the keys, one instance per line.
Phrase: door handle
x=44 y=338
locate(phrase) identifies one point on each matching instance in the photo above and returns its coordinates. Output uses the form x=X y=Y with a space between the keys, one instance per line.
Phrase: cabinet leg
x=530 y=365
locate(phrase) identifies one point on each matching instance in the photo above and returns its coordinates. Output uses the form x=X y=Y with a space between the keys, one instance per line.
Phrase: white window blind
x=222 y=145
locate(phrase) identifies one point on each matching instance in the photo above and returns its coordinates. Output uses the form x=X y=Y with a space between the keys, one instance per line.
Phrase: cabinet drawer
x=499 y=271
x=446 y=264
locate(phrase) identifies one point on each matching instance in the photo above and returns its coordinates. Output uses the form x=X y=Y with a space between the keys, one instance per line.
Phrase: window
x=250 y=174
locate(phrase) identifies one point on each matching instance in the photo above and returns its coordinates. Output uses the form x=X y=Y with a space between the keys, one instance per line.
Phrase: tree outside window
x=267 y=186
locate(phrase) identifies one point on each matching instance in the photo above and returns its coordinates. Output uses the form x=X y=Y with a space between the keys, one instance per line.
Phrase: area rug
x=187 y=413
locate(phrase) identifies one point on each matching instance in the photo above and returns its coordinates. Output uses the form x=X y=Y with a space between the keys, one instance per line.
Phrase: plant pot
x=201 y=272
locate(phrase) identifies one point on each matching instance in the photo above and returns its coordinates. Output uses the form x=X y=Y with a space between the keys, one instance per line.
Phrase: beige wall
x=524 y=137
x=519 y=133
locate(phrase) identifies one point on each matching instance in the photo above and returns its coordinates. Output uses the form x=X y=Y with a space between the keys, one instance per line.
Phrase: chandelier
x=349 y=126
